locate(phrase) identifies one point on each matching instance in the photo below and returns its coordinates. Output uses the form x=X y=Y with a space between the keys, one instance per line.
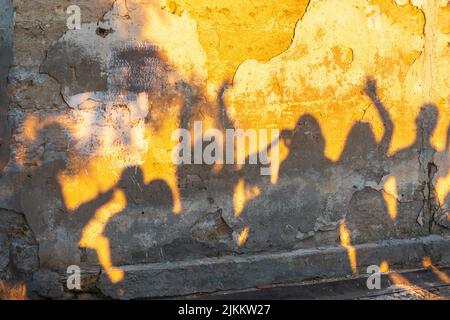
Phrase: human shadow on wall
x=81 y=236
x=306 y=146
x=305 y=170
x=42 y=201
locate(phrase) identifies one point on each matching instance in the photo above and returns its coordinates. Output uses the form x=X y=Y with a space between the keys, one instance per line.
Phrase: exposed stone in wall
x=359 y=93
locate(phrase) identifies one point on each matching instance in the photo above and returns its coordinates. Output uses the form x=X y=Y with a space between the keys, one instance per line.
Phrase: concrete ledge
x=243 y=272
x=354 y=288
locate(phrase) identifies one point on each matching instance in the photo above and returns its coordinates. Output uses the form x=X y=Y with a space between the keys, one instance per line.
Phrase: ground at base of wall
x=424 y=284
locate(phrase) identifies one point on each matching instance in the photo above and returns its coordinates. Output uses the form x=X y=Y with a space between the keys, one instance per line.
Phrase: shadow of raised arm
x=370 y=90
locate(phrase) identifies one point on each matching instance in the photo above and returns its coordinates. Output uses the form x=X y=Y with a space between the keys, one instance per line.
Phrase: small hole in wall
x=103 y=32
x=142 y=212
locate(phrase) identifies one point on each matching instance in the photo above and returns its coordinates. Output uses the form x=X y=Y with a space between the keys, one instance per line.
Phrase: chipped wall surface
x=357 y=89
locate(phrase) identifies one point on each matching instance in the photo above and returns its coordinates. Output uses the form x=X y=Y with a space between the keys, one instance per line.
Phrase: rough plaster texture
x=358 y=89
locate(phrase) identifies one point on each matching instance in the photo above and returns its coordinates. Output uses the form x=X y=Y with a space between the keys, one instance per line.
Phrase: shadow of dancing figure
x=129 y=196
x=421 y=156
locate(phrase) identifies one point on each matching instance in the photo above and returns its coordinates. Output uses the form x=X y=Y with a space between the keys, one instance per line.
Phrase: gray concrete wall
x=6 y=56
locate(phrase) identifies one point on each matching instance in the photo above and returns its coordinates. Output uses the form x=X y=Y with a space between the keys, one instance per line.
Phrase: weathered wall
x=6 y=43
x=359 y=91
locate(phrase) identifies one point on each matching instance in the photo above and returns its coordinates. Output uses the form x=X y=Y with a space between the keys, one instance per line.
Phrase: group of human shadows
x=306 y=152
